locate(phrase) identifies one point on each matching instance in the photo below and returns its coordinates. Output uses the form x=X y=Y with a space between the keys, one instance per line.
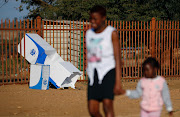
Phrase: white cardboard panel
x=29 y=47
x=39 y=76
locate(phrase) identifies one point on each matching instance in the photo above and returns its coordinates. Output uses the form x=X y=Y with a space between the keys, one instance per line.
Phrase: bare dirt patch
x=19 y=100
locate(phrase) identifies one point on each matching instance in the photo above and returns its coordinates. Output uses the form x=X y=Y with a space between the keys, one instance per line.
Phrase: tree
x=116 y=9
x=36 y=7
x=161 y=9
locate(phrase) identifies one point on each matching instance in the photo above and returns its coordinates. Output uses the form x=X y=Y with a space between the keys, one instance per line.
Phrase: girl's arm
x=117 y=55
x=135 y=93
x=166 y=97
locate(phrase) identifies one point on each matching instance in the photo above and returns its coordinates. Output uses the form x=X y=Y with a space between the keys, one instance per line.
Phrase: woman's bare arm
x=117 y=55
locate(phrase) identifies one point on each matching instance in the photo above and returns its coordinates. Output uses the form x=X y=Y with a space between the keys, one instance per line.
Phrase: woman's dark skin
x=98 y=24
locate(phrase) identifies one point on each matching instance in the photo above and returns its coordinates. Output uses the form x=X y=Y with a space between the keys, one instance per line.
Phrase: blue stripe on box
x=39 y=84
x=41 y=55
x=50 y=80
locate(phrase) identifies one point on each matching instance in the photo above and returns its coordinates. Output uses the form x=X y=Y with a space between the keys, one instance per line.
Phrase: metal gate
x=138 y=40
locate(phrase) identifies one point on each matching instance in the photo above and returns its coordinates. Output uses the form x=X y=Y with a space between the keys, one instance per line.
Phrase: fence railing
x=138 y=40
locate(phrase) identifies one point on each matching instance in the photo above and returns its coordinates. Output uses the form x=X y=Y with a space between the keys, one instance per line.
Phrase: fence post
x=38 y=25
x=153 y=53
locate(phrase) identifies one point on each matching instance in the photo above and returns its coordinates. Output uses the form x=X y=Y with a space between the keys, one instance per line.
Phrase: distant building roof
x=132 y=48
x=65 y=22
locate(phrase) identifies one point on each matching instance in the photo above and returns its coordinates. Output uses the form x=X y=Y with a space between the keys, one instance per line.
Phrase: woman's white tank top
x=100 y=53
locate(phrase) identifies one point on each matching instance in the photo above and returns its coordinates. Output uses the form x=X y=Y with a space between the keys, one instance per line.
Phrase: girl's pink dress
x=154 y=93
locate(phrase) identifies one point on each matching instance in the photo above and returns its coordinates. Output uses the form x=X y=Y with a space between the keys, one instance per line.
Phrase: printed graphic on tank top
x=94 y=50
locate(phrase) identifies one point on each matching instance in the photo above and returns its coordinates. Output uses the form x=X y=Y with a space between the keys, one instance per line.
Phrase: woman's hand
x=171 y=114
x=118 y=90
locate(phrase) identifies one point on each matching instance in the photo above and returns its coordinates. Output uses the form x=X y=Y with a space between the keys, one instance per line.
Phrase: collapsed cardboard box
x=37 y=51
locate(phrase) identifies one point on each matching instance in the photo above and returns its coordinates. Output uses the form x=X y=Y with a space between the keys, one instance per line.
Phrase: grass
x=13 y=67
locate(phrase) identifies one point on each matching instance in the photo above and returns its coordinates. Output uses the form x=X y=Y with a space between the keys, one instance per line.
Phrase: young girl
x=103 y=55
x=153 y=89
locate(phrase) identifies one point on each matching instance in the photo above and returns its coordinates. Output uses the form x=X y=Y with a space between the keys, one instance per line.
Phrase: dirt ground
x=19 y=100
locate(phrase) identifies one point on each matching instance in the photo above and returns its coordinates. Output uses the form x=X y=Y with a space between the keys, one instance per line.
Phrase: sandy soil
x=19 y=100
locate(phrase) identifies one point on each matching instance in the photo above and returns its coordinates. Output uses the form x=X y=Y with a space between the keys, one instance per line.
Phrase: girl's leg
x=155 y=114
x=144 y=113
x=93 y=107
x=108 y=107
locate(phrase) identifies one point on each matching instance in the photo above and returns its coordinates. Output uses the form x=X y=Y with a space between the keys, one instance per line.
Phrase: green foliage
x=116 y=9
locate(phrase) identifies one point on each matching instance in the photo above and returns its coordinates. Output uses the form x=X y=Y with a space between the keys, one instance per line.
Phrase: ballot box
x=39 y=76
x=37 y=51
